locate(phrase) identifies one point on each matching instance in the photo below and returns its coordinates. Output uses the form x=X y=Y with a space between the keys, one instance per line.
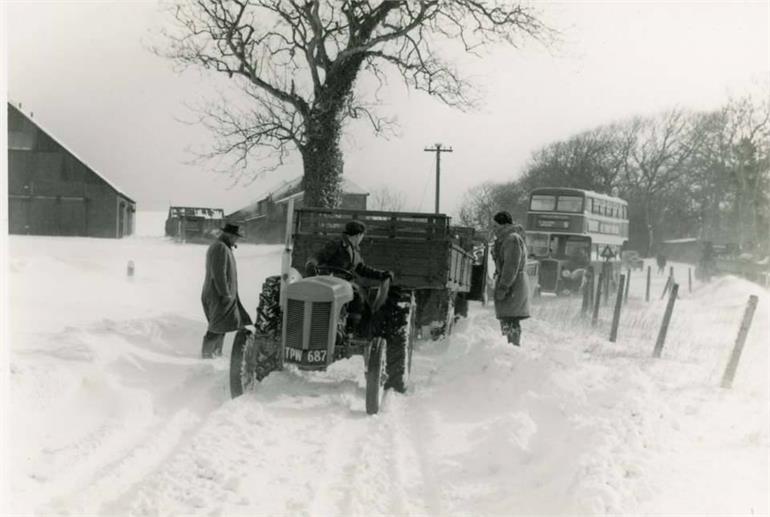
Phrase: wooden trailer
x=429 y=257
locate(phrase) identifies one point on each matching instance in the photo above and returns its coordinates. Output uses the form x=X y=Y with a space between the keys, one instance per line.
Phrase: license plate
x=297 y=355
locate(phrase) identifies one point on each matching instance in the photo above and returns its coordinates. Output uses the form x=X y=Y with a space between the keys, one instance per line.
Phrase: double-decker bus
x=569 y=229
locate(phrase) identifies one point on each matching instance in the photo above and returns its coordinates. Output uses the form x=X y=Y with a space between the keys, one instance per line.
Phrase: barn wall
x=51 y=192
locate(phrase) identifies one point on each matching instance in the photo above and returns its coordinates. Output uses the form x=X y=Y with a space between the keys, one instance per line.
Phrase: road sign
x=607 y=253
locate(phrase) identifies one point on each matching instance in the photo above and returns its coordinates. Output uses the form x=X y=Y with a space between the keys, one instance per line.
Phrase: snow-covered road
x=112 y=412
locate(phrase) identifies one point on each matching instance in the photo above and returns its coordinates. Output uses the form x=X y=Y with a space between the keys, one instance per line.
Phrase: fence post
x=666 y=320
x=588 y=289
x=598 y=300
x=666 y=288
x=671 y=272
x=647 y=290
x=689 y=279
x=628 y=285
x=732 y=366
x=616 y=314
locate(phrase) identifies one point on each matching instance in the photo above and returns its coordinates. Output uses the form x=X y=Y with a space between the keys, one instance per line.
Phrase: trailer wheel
x=461 y=306
x=449 y=324
x=375 y=375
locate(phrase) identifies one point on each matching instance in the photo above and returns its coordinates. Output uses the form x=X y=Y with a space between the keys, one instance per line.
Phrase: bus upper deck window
x=543 y=203
x=570 y=204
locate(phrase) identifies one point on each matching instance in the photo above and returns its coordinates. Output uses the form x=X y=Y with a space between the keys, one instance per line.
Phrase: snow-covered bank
x=114 y=414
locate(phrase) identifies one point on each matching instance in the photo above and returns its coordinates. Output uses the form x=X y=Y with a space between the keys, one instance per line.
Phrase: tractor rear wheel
x=254 y=356
x=397 y=325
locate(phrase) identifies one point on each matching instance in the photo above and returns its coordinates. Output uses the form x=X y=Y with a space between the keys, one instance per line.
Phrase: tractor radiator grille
x=295 y=314
x=549 y=274
x=319 y=325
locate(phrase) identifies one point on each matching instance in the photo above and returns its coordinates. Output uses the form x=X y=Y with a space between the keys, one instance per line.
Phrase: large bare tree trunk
x=323 y=161
x=321 y=154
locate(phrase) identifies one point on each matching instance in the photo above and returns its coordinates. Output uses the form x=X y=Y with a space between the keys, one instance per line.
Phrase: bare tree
x=387 y=199
x=593 y=160
x=748 y=133
x=658 y=160
x=298 y=61
x=480 y=203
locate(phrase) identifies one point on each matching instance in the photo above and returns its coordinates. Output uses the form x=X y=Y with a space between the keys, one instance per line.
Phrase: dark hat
x=354 y=228
x=232 y=229
x=503 y=217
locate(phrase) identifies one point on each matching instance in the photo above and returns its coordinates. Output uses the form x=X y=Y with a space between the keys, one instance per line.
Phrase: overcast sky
x=85 y=71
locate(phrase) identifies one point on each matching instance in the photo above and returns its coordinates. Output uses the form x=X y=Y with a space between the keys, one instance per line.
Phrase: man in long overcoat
x=511 y=283
x=221 y=304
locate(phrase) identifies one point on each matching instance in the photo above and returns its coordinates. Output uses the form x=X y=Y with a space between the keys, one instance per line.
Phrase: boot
x=514 y=337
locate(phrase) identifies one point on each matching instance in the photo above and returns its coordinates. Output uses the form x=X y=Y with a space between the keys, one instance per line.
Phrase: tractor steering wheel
x=335 y=271
x=382 y=295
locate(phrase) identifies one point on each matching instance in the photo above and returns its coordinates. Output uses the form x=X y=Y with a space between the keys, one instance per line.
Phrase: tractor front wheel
x=253 y=357
x=242 y=363
x=375 y=375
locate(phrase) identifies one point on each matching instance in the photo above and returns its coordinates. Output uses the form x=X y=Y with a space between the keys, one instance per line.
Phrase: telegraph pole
x=438 y=150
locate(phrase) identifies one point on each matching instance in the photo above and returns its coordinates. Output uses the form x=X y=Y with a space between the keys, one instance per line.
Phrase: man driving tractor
x=344 y=256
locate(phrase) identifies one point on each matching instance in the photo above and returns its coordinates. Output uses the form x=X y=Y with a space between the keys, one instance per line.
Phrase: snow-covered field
x=113 y=413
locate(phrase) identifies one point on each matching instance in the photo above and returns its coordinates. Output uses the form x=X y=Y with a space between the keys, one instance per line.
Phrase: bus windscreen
x=543 y=203
x=570 y=204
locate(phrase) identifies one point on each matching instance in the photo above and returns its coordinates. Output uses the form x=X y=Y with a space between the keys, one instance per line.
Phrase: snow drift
x=112 y=411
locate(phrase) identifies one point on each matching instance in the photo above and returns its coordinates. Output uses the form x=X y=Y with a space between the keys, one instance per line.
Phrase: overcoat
x=219 y=296
x=511 y=283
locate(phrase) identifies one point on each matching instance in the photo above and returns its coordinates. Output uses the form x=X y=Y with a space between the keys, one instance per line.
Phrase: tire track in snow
x=380 y=471
x=375 y=484
x=127 y=452
x=268 y=453
x=101 y=494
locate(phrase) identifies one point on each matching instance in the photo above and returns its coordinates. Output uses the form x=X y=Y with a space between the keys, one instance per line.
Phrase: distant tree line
x=683 y=173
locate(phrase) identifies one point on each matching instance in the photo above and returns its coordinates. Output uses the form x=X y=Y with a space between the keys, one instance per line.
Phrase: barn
x=53 y=192
x=264 y=221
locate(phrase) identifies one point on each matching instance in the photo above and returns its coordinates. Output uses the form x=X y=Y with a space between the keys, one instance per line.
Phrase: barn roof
x=40 y=126
x=289 y=188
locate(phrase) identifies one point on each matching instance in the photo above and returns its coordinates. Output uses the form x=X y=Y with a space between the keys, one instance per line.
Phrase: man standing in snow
x=221 y=304
x=511 y=285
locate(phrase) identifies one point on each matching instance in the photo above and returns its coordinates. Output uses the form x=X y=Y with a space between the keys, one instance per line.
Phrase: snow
x=113 y=413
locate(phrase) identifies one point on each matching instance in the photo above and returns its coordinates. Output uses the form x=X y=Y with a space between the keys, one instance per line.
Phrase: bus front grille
x=549 y=274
